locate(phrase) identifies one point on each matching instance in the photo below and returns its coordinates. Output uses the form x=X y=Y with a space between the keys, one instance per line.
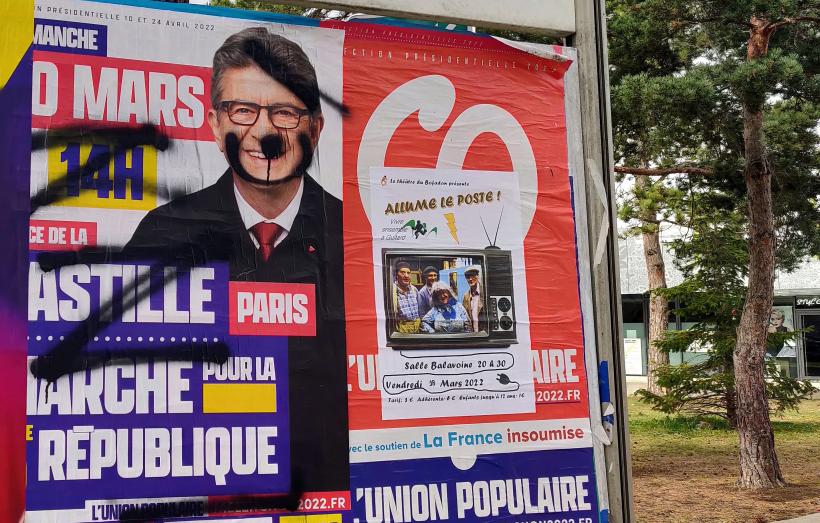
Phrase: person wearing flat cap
x=473 y=299
x=430 y=275
x=405 y=301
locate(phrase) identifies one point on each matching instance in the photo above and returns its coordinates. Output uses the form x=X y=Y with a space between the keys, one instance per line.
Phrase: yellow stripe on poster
x=314 y=518
x=324 y=518
x=16 y=35
x=128 y=181
x=223 y=398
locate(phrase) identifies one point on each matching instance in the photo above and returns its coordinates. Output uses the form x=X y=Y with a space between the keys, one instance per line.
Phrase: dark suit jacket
x=206 y=226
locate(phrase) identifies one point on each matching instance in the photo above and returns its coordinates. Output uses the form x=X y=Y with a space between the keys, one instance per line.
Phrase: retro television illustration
x=490 y=323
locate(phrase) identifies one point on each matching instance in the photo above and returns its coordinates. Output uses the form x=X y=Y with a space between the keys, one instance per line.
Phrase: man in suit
x=272 y=223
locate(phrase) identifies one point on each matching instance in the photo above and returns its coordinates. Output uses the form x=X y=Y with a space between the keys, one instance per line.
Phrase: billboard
x=285 y=270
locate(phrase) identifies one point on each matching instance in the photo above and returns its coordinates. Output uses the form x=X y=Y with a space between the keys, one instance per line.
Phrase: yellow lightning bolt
x=451 y=223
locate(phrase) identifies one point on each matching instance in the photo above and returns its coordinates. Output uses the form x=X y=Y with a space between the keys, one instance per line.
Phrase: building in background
x=796 y=306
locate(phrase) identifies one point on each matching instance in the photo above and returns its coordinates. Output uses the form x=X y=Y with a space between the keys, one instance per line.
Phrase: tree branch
x=681 y=169
x=720 y=19
x=793 y=20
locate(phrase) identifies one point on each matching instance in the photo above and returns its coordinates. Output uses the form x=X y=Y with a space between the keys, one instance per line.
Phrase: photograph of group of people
x=436 y=295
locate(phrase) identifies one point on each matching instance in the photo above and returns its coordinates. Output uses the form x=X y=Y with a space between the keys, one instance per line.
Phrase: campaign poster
x=457 y=192
x=186 y=319
x=282 y=270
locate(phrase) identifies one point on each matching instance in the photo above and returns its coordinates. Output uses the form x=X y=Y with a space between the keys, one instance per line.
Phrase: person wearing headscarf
x=447 y=314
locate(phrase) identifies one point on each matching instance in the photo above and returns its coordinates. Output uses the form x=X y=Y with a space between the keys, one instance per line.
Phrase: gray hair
x=282 y=59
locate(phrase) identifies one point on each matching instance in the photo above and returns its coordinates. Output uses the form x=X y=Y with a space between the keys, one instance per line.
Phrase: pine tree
x=761 y=59
x=714 y=261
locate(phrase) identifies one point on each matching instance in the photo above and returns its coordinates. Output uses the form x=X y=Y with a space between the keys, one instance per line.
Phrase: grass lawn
x=686 y=472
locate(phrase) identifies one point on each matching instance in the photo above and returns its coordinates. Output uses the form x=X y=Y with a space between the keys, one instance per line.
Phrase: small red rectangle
x=56 y=235
x=272 y=309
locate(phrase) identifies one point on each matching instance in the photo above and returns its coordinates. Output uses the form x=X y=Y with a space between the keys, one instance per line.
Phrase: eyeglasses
x=246 y=113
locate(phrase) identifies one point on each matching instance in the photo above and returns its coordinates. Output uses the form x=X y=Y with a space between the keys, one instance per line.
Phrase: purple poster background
x=15 y=153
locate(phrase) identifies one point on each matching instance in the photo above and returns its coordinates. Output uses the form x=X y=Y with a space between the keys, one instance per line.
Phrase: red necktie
x=266 y=234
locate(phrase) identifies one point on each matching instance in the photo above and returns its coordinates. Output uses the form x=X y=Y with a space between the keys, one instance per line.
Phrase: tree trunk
x=759 y=467
x=658 y=305
x=729 y=395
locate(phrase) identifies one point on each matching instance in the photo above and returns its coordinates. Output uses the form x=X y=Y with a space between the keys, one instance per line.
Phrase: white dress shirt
x=285 y=219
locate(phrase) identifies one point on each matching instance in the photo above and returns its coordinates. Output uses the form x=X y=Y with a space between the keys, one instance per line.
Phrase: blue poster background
x=441 y=471
x=126 y=343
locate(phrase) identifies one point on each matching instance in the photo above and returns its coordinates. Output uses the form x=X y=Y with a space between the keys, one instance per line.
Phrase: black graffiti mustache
x=273 y=147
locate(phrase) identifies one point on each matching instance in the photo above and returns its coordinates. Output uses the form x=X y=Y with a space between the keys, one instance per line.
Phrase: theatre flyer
x=467 y=353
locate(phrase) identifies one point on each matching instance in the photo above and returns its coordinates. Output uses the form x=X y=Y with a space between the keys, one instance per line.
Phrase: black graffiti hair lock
x=304 y=87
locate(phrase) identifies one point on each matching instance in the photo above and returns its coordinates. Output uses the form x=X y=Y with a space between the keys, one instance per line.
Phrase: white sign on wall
x=632 y=356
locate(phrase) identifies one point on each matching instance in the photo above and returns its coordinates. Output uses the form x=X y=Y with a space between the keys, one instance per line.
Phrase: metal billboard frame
x=552 y=17
x=582 y=25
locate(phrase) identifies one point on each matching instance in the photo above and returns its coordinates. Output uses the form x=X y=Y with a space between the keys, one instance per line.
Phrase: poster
x=782 y=321
x=458 y=347
x=286 y=271
x=633 y=353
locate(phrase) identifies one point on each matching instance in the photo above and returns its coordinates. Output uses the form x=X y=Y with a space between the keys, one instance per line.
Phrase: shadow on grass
x=791 y=492
x=796 y=427
x=677 y=424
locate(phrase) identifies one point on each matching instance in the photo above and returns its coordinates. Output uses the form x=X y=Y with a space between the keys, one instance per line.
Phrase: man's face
x=472 y=279
x=252 y=84
x=432 y=278
x=403 y=276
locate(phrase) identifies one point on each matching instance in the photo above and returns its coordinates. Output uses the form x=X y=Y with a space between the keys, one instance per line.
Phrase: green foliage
x=661 y=119
x=754 y=81
x=714 y=261
x=680 y=77
x=705 y=389
x=255 y=5
x=641 y=44
x=520 y=37
x=285 y=9
x=681 y=87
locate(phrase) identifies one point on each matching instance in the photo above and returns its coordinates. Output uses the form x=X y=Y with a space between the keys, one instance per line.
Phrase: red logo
x=272 y=309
